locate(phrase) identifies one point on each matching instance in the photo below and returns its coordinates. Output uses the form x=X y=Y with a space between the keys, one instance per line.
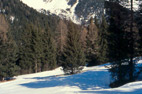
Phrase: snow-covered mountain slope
x=94 y=80
x=58 y=7
x=78 y=11
x=75 y=10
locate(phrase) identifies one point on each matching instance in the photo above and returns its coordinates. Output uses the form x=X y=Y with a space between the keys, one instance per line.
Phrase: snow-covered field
x=94 y=80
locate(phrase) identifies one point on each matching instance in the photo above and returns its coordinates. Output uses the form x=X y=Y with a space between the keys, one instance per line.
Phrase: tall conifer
x=73 y=58
x=49 y=50
x=92 y=43
x=103 y=42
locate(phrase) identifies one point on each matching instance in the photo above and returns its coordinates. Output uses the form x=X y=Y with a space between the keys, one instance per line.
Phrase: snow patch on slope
x=58 y=7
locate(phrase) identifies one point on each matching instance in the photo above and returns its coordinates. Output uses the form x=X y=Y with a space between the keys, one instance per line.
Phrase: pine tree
x=131 y=63
x=139 y=21
x=103 y=42
x=30 y=49
x=83 y=37
x=8 y=57
x=61 y=35
x=24 y=57
x=118 y=53
x=61 y=39
x=36 y=46
x=92 y=43
x=49 y=50
x=73 y=58
x=121 y=44
x=8 y=51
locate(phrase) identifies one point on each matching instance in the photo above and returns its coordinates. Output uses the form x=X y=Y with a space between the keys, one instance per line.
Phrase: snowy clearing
x=95 y=80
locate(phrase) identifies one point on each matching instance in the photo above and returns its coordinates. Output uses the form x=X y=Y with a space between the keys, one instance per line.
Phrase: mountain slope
x=59 y=7
x=19 y=14
x=78 y=11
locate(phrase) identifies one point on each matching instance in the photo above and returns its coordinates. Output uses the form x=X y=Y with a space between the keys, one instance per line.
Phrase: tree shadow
x=85 y=81
x=136 y=91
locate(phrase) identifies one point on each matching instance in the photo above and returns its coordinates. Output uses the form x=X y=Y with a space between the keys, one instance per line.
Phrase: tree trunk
x=1 y=78
x=131 y=78
x=35 y=67
x=131 y=46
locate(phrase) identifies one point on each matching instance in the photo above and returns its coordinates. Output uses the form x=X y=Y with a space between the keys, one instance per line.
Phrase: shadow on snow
x=86 y=80
x=135 y=91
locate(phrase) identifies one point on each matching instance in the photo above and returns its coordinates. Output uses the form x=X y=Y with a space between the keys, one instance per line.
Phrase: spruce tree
x=24 y=55
x=8 y=57
x=92 y=43
x=30 y=49
x=103 y=42
x=73 y=58
x=49 y=50
x=121 y=44
x=118 y=53
x=8 y=51
x=131 y=63
x=139 y=21
x=61 y=39
x=24 y=58
x=36 y=46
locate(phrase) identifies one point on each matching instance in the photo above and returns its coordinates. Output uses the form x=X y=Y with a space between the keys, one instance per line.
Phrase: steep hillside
x=19 y=14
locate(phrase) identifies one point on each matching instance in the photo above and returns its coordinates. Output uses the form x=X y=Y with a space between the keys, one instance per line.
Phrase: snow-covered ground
x=94 y=80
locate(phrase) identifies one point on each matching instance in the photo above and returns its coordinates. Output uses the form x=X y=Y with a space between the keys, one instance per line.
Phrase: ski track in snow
x=94 y=80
